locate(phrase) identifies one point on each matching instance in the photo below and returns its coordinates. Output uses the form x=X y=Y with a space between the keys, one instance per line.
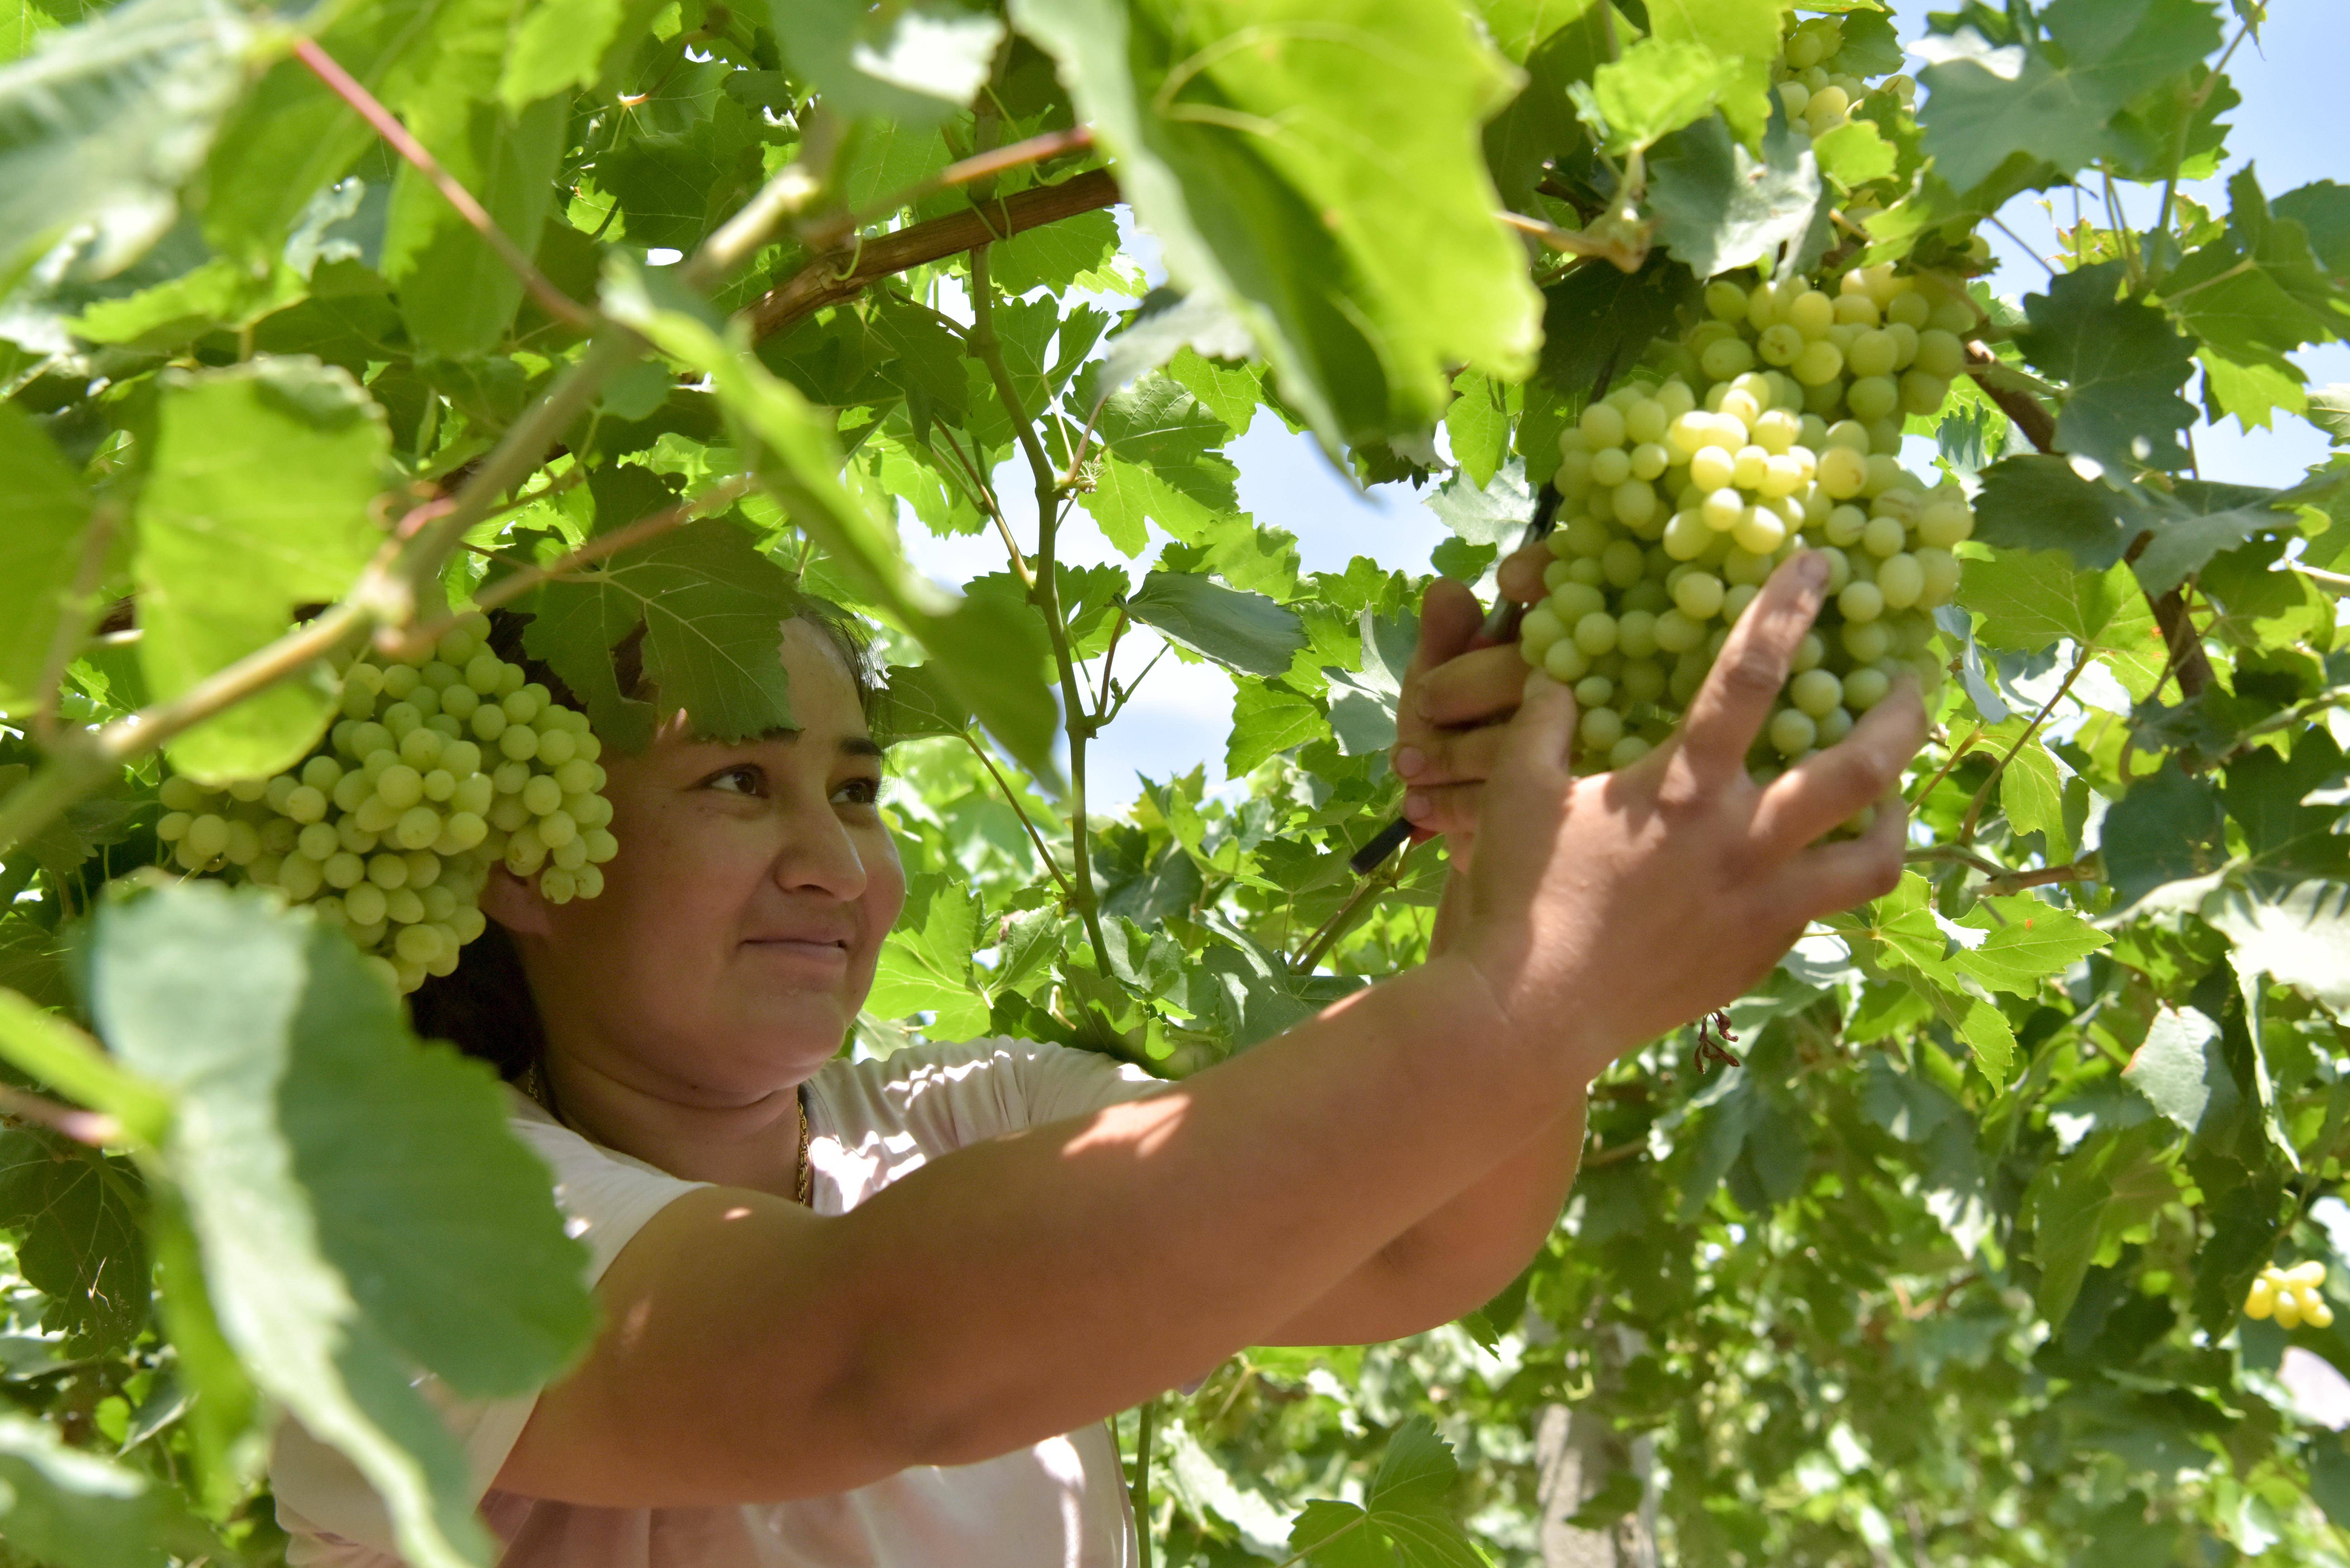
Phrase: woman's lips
x=810 y=949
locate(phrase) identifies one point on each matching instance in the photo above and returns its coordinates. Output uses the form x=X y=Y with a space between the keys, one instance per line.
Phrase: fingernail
x=1415 y=806
x=1409 y=762
x=1814 y=567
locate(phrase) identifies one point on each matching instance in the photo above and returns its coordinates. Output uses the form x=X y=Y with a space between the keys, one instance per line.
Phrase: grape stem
x=553 y=300
x=1974 y=807
x=1012 y=799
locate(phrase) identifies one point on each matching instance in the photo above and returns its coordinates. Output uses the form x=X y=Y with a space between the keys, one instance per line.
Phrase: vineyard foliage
x=321 y=326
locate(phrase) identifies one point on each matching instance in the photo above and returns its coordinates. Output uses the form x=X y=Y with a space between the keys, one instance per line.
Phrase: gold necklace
x=535 y=1084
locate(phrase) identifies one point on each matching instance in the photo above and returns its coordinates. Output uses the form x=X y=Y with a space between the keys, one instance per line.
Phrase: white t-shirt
x=1060 y=1504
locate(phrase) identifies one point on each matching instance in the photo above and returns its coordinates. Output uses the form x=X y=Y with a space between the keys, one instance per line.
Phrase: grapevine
x=441 y=767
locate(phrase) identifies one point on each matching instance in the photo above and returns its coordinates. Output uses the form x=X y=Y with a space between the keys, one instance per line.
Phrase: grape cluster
x=440 y=767
x=1816 y=94
x=2291 y=1296
x=1778 y=431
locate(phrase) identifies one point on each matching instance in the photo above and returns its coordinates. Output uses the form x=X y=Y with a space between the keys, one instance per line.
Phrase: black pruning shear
x=1501 y=625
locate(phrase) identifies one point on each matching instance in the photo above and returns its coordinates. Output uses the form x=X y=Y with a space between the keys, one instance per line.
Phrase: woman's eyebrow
x=850 y=745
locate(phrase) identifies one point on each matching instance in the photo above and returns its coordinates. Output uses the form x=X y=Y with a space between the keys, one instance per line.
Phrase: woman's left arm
x=1456 y=698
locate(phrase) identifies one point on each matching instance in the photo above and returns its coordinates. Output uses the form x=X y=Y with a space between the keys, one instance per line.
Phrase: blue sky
x=1180 y=718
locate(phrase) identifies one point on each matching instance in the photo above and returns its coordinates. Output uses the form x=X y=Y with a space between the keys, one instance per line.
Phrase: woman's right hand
x=1611 y=909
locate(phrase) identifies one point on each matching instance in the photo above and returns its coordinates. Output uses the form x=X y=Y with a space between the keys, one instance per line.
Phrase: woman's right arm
x=1026 y=1286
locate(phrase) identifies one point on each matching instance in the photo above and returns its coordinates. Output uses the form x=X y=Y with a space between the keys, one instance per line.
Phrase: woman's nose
x=817 y=853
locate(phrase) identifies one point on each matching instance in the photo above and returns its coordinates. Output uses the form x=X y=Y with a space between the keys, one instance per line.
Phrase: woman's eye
x=744 y=780
x=858 y=792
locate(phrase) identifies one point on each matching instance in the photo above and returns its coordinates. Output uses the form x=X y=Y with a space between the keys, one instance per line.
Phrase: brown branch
x=844 y=272
x=1621 y=1152
x=556 y=303
x=94 y=1129
x=2039 y=427
x=835 y=230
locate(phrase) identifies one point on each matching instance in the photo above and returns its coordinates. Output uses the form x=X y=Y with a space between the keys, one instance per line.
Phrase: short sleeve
x=605 y=1198
x=1064 y=1083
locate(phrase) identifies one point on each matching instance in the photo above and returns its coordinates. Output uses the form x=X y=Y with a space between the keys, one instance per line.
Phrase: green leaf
x=2113 y=1183
x=1854 y=154
x=559 y=43
x=1267 y=720
x=1495 y=512
x=2039 y=501
x=256 y=501
x=2322 y=208
x=2122 y=364
x=456 y=294
x=2179 y=1068
x=362 y=1209
x=983 y=650
x=1598 y=322
x=1986 y=104
x=1655 y=87
x=916 y=703
x=712 y=609
x=74 y=1213
x=1052 y=255
x=2036 y=600
x=1478 y=425
x=73 y=1508
x=1293 y=154
x=915 y=64
x=2167 y=828
x=40 y=550
x=1243 y=631
x=1403 y=1520
x=104 y=121
x=925 y=966
x=2040 y=940
x=2032 y=797
x=1718 y=207
x=2300 y=937
x=1165 y=324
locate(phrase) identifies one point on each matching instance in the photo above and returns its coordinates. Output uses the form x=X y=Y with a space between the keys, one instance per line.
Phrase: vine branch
x=1045 y=592
x=2039 y=427
x=1013 y=800
x=1974 y=807
x=844 y=272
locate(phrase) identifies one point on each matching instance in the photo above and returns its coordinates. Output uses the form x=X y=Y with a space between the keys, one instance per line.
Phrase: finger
x=1731 y=707
x=1452 y=756
x=1521 y=574
x=1829 y=786
x=1827 y=877
x=1444 y=808
x=1539 y=739
x=1478 y=687
x=1449 y=618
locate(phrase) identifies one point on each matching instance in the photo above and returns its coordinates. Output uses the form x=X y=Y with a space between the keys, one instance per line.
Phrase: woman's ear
x=515 y=904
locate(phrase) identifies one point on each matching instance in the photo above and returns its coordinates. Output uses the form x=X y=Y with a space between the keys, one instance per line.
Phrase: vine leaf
x=1244 y=631
x=48 y=508
x=984 y=649
x=455 y=294
x=76 y=1510
x=361 y=1209
x=1403 y=1518
x=1986 y=104
x=913 y=64
x=2169 y=827
x=925 y=966
x=1719 y=206
x=104 y=121
x=1291 y=154
x=2299 y=937
x=2034 y=599
x=2116 y=1180
x=712 y=609
x=2039 y=940
x=257 y=501
x=74 y=1213
x=2122 y=363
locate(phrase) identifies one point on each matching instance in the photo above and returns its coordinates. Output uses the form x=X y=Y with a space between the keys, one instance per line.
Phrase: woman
x=877 y=1312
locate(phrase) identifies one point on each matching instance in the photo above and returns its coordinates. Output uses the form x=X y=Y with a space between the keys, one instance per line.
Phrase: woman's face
x=735 y=936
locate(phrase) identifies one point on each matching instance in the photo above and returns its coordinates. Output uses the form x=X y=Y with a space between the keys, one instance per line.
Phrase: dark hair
x=484 y=1006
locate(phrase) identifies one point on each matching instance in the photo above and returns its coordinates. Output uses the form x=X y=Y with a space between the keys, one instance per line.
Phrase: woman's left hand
x=1458 y=694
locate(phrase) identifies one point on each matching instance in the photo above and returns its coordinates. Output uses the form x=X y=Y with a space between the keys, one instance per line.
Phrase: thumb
x=1541 y=737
